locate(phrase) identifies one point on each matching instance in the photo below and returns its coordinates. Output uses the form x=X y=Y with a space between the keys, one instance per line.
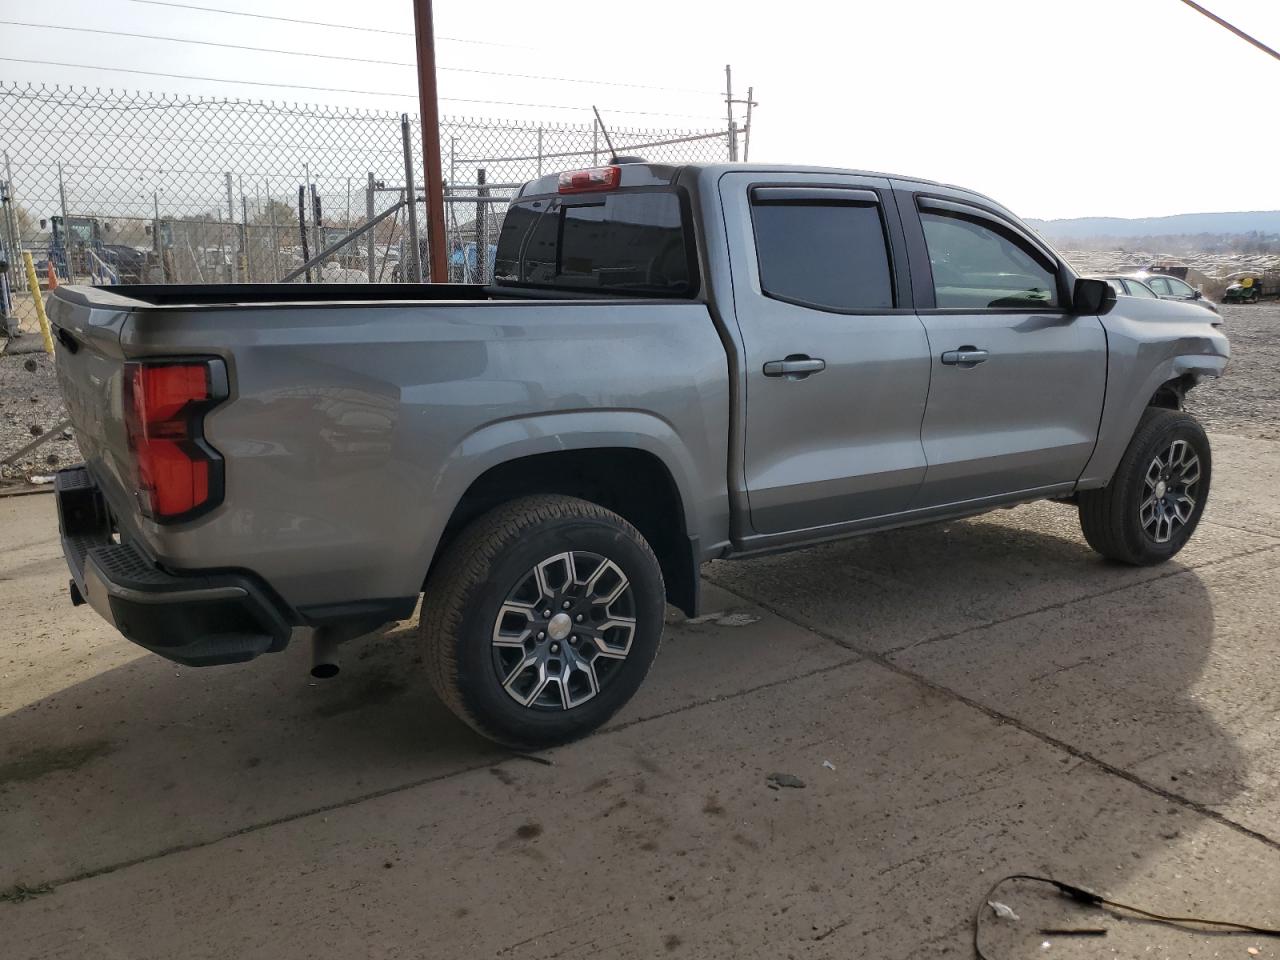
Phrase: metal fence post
x=302 y=226
x=275 y=234
x=370 y=243
x=411 y=199
x=244 y=236
x=231 y=218
x=14 y=243
x=11 y=216
x=539 y=151
x=482 y=227
x=66 y=222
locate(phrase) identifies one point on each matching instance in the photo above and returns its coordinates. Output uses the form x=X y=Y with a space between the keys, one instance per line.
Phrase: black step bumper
x=194 y=619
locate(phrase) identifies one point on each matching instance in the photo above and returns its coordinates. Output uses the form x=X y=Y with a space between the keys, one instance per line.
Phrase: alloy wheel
x=563 y=630
x=1170 y=491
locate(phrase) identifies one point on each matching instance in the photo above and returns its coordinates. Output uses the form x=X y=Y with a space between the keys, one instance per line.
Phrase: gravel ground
x=30 y=404
x=1246 y=402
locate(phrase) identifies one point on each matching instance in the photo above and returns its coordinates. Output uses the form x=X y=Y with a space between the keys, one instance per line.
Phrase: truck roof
x=654 y=174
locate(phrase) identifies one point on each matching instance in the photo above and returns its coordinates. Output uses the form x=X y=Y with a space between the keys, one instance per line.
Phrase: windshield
x=633 y=242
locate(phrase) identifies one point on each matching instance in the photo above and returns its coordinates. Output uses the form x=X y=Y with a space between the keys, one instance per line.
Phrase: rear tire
x=541 y=620
x=1149 y=510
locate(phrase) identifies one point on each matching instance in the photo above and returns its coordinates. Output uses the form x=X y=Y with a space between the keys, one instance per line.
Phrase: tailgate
x=86 y=331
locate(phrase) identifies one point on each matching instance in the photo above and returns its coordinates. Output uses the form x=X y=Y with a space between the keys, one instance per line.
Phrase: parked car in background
x=1171 y=288
x=1131 y=287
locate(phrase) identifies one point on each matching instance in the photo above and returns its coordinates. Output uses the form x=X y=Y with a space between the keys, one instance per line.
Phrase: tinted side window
x=976 y=266
x=832 y=256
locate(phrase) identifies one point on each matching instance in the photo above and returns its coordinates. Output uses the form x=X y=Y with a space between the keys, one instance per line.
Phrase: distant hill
x=1262 y=221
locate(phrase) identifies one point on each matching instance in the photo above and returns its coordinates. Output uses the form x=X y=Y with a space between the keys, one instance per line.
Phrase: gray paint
x=354 y=428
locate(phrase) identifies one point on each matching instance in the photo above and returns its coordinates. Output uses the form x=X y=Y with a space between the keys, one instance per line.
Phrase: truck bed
x=352 y=407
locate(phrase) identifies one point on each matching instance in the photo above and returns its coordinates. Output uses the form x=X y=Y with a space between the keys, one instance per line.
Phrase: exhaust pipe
x=324 y=654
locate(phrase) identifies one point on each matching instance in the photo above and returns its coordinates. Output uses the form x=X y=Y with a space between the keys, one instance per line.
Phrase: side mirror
x=44 y=224
x=1092 y=296
x=1197 y=294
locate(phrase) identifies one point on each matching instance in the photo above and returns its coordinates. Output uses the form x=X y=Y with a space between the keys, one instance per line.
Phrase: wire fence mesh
x=122 y=186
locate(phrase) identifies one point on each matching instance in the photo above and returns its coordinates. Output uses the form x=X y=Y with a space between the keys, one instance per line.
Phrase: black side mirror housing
x=1092 y=296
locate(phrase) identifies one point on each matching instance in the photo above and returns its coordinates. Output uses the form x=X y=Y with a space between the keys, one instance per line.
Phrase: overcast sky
x=1058 y=109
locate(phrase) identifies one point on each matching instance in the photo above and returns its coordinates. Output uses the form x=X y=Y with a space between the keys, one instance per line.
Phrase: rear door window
x=829 y=255
x=637 y=242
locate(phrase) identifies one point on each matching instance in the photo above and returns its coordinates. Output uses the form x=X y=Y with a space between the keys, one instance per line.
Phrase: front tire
x=1152 y=505
x=541 y=620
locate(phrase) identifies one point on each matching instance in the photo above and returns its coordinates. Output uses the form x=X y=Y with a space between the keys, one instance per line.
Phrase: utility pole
x=728 y=109
x=729 y=101
x=429 y=110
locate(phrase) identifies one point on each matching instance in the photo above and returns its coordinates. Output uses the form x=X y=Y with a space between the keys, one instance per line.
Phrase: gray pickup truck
x=672 y=365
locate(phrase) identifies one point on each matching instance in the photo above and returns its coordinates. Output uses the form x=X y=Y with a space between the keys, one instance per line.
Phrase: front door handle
x=965 y=357
x=795 y=367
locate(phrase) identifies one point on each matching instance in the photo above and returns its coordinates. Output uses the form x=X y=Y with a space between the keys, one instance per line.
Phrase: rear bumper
x=199 y=619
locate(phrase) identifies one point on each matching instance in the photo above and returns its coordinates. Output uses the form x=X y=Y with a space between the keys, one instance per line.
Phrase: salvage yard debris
x=776 y=780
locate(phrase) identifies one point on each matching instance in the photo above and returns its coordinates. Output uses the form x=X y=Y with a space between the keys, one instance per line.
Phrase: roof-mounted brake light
x=597 y=178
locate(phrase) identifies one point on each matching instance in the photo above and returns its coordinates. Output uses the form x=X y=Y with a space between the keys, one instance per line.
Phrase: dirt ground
x=961 y=702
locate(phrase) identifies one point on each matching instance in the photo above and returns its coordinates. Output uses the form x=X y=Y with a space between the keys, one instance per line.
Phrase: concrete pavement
x=992 y=696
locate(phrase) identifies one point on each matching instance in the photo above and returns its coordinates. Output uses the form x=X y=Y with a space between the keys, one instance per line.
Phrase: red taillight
x=177 y=473
x=597 y=178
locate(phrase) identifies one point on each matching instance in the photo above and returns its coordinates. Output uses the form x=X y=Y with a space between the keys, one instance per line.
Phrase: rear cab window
x=636 y=242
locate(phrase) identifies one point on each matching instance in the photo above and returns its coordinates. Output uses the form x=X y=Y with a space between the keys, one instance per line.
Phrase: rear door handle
x=795 y=367
x=965 y=357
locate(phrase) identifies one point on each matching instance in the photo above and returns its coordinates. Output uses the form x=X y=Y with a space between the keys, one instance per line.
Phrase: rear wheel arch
x=633 y=483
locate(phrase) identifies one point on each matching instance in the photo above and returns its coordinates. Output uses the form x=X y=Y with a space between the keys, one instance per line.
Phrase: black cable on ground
x=1091 y=899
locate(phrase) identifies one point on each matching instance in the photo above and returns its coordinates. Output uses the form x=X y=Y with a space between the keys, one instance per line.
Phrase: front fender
x=1139 y=362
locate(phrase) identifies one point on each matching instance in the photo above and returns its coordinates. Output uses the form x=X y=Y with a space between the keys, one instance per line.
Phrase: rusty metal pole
x=429 y=108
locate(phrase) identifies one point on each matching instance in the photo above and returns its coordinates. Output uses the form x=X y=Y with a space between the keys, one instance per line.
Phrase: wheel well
x=632 y=483
x=1170 y=394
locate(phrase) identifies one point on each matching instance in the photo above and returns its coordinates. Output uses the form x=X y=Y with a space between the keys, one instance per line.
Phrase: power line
x=332 y=56
x=369 y=93
x=311 y=23
x=1233 y=28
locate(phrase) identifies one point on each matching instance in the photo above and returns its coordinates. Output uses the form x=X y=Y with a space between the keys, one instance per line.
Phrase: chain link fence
x=117 y=186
